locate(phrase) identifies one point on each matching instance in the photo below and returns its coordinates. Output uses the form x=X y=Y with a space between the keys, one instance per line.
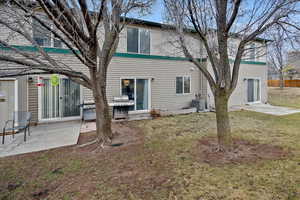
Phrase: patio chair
x=20 y=121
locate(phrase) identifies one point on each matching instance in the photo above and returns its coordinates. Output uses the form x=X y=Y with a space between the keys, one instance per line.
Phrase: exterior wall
x=22 y=94
x=163 y=71
x=163 y=85
x=260 y=50
x=6 y=34
x=239 y=96
x=162 y=42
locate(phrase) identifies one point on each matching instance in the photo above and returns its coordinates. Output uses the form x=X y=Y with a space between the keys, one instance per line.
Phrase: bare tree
x=89 y=29
x=283 y=41
x=215 y=23
x=277 y=54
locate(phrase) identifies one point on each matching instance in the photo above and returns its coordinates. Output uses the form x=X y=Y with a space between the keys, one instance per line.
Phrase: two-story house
x=146 y=67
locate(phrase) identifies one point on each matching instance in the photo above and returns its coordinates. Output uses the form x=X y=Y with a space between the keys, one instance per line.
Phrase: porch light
x=30 y=79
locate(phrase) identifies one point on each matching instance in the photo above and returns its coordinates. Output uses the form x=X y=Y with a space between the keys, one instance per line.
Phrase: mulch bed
x=243 y=152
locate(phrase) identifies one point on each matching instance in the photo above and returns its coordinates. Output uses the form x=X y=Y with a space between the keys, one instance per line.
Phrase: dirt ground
x=243 y=152
x=124 y=135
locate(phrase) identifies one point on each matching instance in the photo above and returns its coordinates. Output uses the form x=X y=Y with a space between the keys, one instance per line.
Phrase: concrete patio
x=43 y=137
x=269 y=109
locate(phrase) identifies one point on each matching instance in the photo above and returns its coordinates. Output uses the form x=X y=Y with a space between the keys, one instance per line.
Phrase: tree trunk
x=223 y=124
x=281 y=84
x=103 y=119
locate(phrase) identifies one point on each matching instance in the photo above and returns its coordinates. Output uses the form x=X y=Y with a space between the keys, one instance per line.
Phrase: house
x=146 y=67
x=293 y=61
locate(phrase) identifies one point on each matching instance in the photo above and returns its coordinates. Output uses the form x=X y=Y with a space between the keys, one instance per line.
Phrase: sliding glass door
x=59 y=101
x=70 y=98
x=253 y=90
x=49 y=100
x=137 y=90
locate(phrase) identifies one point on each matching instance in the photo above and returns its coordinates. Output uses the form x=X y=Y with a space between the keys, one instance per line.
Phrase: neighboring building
x=294 y=62
x=146 y=67
x=273 y=74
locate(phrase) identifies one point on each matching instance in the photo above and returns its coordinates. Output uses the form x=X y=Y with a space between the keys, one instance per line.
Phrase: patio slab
x=43 y=137
x=269 y=109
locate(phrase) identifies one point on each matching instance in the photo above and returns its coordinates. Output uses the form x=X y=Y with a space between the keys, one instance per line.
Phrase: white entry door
x=61 y=101
x=138 y=90
x=7 y=101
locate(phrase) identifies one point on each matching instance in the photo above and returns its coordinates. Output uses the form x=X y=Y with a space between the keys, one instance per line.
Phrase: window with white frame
x=232 y=48
x=252 y=53
x=138 y=40
x=43 y=36
x=183 y=84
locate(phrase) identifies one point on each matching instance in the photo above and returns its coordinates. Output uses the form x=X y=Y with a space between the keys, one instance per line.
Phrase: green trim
x=253 y=62
x=249 y=62
x=124 y=55
x=35 y=49
x=154 y=57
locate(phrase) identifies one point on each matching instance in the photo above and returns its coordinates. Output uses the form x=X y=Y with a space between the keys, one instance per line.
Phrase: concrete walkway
x=43 y=137
x=269 y=109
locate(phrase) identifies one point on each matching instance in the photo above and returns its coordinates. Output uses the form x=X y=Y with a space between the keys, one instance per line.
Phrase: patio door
x=137 y=90
x=7 y=101
x=253 y=90
x=61 y=101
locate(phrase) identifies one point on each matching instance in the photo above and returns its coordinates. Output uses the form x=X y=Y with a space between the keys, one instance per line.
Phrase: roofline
x=136 y=21
x=161 y=25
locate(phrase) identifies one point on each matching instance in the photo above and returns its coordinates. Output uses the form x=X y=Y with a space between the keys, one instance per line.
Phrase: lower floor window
x=183 y=84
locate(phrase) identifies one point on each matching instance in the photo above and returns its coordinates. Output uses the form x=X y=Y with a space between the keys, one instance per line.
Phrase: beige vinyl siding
x=6 y=34
x=164 y=72
x=239 y=95
x=22 y=93
x=162 y=42
x=163 y=84
x=249 y=71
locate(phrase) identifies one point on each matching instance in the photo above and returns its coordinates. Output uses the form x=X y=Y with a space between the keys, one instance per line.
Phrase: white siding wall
x=162 y=42
x=239 y=96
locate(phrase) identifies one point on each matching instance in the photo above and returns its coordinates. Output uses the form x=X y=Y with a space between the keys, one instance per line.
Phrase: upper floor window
x=43 y=36
x=232 y=48
x=138 y=40
x=183 y=84
x=252 y=52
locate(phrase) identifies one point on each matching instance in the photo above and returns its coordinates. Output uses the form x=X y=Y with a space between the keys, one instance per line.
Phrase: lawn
x=289 y=97
x=163 y=165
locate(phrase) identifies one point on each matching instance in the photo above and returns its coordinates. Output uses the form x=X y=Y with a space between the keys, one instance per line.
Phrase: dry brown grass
x=164 y=165
x=289 y=97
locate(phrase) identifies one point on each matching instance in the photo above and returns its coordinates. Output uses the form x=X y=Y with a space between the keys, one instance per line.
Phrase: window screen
x=179 y=85
x=187 y=84
x=132 y=40
x=40 y=34
x=144 y=41
x=252 y=51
